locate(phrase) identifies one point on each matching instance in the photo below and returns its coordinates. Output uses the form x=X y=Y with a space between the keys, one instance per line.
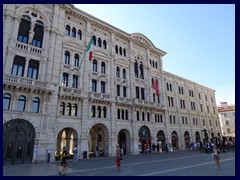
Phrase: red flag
x=155 y=87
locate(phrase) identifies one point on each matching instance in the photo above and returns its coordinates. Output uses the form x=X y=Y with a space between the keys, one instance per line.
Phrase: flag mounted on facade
x=89 y=49
x=155 y=87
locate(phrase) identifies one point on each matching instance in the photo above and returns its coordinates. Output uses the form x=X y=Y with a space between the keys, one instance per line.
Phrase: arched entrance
x=18 y=141
x=187 y=140
x=161 y=140
x=144 y=138
x=174 y=140
x=197 y=136
x=98 y=136
x=124 y=140
x=67 y=137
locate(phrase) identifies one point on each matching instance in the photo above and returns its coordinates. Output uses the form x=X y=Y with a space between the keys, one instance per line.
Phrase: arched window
x=126 y=114
x=124 y=52
x=79 y=35
x=67 y=30
x=65 y=80
x=35 y=105
x=21 y=103
x=62 y=109
x=24 y=28
x=74 y=32
x=104 y=112
x=124 y=74
x=99 y=42
x=122 y=113
x=118 y=72
x=116 y=49
x=94 y=65
x=94 y=40
x=143 y=116
x=67 y=57
x=156 y=64
x=104 y=44
x=150 y=61
x=124 y=91
x=99 y=111
x=120 y=50
x=38 y=34
x=148 y=116
x=93 y=111
x=74 y=110
x=6 y=101
x=76 y=60
x=33 y=67
x=141 y=71
x=136 y=69
x=118 y=114
x=69 y=109
x=137 y=115
x=103 y=68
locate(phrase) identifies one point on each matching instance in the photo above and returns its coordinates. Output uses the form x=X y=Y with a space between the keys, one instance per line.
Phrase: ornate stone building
x=53 y=96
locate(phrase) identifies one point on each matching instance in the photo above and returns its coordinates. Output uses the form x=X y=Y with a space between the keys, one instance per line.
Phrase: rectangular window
x=75 y=81
x=94 y=85
x=124 y=91
x=227 y=122
x=65 y=80
x=137 y=92
x=102 y=87
x=118 y=90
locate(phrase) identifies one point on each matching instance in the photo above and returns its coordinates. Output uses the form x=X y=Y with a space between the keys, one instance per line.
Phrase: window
x=142 y=94
x=69 y=109
x=93 y=111
x=170 y=118
x=18 y=66
x=102 y=87
x=118 y=72
x=203 y=122
x=201 y=107
x=62 y=108
x=94 y=40
x=126 y=114
x=136 y=69
x=137 y=115
x=118 y=90
x=124 y=52
x=76 y=60
x=185 y=120
x=124 y=74
x=210 y=122
x=38 y=34
x=104 y=44
x=99 y=42
x=67 y=30
x=104 y=112
x=141 y=71
x=65 y=80
x=73 y=32
x=74 y=110
x=75 y=81
x=118 y=114
x=35 y=105
x=124 y=91
x=123 y=113
x=94 y=65
x=33 y=67
x=120 y=50
x=99 y=109
x=228 y=130
x=6 y=101
x=206 y=97
x=227 y=122
x=94 y=85
x=24 y=28
x=79 y=35
x=182 y=119
x=137 y=92
x=21 y=103
x=143 y=116
x=208 y=109
x=67 y=57
x=116 y=49
x=148 y=116
x=199 y=95
x=103 y=68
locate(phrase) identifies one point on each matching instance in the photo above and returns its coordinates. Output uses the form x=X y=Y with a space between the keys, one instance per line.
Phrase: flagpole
x=147 y=93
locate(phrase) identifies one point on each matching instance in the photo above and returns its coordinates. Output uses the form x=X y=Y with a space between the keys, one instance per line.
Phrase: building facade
x=226 y=114
x=53 y=96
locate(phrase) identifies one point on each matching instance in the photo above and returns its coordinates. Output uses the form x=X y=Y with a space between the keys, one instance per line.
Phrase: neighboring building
x=53 y=99
x=226 y=114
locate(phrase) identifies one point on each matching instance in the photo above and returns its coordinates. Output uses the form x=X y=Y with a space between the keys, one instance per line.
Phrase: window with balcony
x=38 y=34
x=24 y=28
x=33 y=67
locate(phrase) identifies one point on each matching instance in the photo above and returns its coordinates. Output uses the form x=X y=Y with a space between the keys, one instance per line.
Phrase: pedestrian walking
x=64 y=162
x=75 y=153
x=166 y=148
x=216 y=158
x=118 y=156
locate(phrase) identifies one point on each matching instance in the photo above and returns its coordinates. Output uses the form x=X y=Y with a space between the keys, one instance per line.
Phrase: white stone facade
x=71 y=110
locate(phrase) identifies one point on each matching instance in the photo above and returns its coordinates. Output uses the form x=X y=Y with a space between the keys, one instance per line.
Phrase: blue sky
x=199 y=39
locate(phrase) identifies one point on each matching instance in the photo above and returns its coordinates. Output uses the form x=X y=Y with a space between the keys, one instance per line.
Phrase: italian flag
x=89 y=49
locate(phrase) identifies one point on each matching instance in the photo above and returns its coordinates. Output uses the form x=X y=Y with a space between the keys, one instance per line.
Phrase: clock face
x=144 y=132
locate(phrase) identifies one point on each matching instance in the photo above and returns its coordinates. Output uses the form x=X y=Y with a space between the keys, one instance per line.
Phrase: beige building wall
x=180 y=124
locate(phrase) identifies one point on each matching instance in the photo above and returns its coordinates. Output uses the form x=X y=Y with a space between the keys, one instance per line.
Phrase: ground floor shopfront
x=22 y=145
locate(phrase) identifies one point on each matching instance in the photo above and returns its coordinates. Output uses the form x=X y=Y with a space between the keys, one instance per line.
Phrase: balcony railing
x=28 y=47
